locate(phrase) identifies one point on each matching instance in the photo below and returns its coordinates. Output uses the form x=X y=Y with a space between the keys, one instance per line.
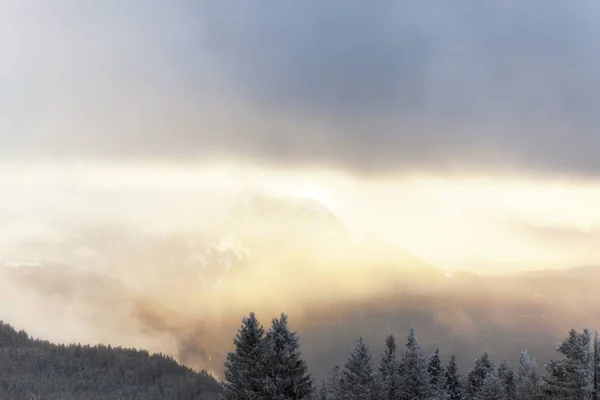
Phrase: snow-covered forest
x=35 y=369
x=268 y=364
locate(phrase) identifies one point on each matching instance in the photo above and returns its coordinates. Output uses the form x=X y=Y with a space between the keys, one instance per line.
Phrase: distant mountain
x=584 y=272
x=34 y=369
x=262 y=206
x=185 y=290
x=271 y=226
x=259 y=230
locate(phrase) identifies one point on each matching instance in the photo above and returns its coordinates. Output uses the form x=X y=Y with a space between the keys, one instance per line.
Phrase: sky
x=465 y=133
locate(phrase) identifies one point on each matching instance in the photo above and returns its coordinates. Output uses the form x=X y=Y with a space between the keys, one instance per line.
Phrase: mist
x=167 y=168
x=170 y=257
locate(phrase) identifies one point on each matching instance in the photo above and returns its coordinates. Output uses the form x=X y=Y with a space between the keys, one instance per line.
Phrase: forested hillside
x=34 y=369
x=267 y=364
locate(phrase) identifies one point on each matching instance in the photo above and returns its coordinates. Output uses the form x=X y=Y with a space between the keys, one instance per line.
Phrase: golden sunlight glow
x=388 y=230
x=487 y=225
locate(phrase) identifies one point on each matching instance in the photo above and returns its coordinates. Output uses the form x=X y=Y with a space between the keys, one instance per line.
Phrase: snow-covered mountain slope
x=260 y=232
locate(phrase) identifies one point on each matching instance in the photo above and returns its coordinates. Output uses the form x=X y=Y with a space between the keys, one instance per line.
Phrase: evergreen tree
x=322 y=395
x=491 y=388
x=481 y=368
x=436 y=374
x=527 y=379
x=286 y=372
x=244 y=367
x=595 y=362
x=388 y=371
x=414 y=378
x=358 y=378
x=507 y=377
x=332 y=385
x=570 y=376
x=452 y=381
x=557 y=382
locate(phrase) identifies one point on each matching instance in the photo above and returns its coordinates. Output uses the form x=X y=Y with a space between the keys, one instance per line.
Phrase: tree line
x=268 y=365
x=35 y=369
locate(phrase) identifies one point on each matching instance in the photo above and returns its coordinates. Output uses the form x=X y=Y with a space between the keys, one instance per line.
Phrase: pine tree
x=436 y=374
x=507 y=377
x=287 y=373
x=491 y=388
x=481 y=368
x=557 y=381
x=595 y=362
x=244 y=367
x=332 y=385
x=527 y=379
x=414 y=378
x=322 y=395
x=358 y=378
x=452 y=381
x=388 y=371
x=571 y=376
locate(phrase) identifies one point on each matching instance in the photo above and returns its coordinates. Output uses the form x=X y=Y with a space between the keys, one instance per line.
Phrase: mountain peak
x=267 y=205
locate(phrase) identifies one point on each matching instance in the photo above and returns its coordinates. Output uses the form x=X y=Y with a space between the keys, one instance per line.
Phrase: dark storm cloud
x=368 y=86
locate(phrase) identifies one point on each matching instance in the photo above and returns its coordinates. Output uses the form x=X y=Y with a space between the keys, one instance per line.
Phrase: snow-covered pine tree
x=322 y=392
x=389 y=383
x=452 y=381
x=481 y=368
x=358 y=377
x=492 y=387
x=414 y=378
x=557 y=382
x=332 y=385
x=588 y=347
x=436 y=374
x=507 y=377
x=286 y=373
x=527 y=380
x=595 y=362
x=244 y=367
x=570 y=376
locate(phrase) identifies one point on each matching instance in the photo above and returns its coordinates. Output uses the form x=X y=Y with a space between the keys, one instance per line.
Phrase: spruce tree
x=507 y=377
x=414 y=378
x=492 y=387
x=528 y=381
x=332 y=384
x=595 y=362
x=389 y=383
x=481 y=368
x=570 y=376
x=322 y=395
x=358 y=378
x=286 y=372
x=244 y=367
x=436 y=374
x=452 y=381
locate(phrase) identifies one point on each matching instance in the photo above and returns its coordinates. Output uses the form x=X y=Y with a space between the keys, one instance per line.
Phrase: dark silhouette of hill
x=106 y=301
x=35 y=369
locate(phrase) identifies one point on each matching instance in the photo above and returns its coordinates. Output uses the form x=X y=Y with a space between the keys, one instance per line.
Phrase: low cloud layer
x=391 y=87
